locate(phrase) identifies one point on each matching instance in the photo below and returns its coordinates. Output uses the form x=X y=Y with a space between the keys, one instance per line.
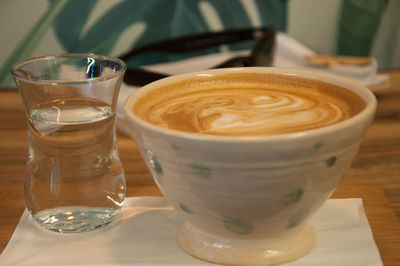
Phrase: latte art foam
x=247 y=104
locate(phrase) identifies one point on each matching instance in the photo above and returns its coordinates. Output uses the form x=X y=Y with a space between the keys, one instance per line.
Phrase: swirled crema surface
x=247 y=105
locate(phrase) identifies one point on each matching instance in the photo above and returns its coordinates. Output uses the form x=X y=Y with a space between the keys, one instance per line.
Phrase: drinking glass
x=74 y=178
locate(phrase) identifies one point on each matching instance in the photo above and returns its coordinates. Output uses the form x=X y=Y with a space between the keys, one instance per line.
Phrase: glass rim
x=23 y=62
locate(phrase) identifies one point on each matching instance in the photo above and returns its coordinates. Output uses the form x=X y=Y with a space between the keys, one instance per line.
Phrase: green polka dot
x=297 y=219
x=318 y=144
x=330 y=161
x=238 y=226
x=292 y=197
x=201 y=171
x=174 y=146
x=184 y=208
x=155 y=164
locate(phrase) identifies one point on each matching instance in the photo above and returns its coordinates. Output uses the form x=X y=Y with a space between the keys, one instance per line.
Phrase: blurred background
x=113 y=27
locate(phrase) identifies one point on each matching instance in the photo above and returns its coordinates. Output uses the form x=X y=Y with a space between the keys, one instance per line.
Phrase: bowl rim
x=361 y=90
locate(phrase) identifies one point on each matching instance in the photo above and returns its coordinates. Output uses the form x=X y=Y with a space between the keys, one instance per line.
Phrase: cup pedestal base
x=245 y=250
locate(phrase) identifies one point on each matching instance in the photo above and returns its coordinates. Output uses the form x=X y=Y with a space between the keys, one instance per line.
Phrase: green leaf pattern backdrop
x=364 y=27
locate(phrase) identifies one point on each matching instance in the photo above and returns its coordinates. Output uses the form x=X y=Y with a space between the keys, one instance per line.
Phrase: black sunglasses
x=261 y=54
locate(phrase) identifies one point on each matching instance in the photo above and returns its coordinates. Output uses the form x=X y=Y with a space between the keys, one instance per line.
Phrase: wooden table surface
x=374 y=175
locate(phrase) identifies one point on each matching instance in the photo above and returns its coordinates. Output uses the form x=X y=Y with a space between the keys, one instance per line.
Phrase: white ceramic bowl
x=248 y=201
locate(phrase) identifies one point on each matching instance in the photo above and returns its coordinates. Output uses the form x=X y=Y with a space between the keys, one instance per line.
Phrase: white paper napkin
x=144 y=234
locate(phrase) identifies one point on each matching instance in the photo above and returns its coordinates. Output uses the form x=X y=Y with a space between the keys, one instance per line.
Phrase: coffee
x=247 y=104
